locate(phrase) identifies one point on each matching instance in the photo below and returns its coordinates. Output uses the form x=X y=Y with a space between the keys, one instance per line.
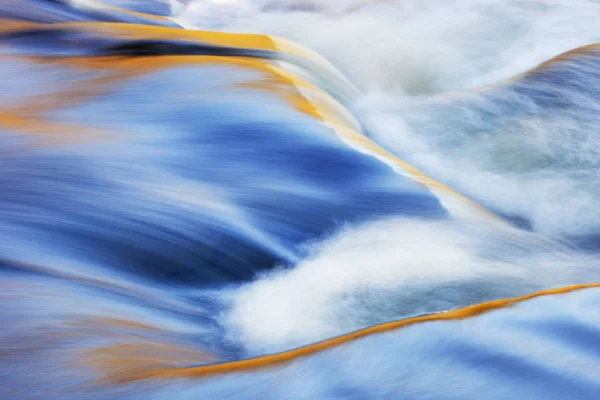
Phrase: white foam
x=393 y=269
x=396 y=52
x=544 y=168
x=414 y=46
x=393 y=50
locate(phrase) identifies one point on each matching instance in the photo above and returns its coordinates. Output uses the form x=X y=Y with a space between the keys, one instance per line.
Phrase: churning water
x=183 y=188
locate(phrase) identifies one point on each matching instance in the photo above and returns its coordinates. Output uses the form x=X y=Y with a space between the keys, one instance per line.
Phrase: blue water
x=174 y=201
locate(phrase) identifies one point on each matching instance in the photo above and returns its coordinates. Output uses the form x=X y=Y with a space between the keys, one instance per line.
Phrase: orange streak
x=324 y=107
x=144 y=64
x=308 y=98
x=31 y=116
x=292 y=355
x=566 y=56
x=147 y=32
x=53 y=133
x=12 y=25
x=291 y=88
x=141 y=356
x=154 y=32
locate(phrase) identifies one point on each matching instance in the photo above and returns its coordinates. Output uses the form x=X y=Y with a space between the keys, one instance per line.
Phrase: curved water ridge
x=177 y=201
x=509 y=148
x=526 y=147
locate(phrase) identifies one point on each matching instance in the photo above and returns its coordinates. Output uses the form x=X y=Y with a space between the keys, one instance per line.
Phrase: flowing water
x=227 y=198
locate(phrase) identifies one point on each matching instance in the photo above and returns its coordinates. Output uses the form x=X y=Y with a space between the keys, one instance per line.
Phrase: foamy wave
x=526 y=147
x=539 y=167
x=393 y=269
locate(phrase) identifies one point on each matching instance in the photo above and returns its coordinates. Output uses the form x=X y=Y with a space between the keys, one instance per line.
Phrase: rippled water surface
x=298 y=199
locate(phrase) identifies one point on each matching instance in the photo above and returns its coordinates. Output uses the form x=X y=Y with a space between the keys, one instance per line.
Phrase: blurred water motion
x=192 y=213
